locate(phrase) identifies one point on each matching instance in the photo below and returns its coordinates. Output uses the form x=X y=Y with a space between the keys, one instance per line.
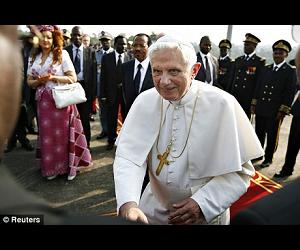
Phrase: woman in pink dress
x=62 y=146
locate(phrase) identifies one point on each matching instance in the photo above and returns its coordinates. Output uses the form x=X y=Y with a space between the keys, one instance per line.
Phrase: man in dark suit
x=141 y=43
x=209 y=64
x=273 y=98
x=247 y=71
x=111 y=86
x=226 y=66
x=86 y=75
x=137 y=80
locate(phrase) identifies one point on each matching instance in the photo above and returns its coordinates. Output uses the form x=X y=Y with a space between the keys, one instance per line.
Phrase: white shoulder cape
x=221 y=139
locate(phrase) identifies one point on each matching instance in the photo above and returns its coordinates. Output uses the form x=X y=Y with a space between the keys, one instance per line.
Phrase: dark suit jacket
x=128 y=85
x=275 y=89
x=89 y=70
x=108 y=77
x=201 y=75
x=279 y=208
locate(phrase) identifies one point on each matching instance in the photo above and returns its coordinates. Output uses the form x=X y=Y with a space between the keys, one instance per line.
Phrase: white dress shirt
x=278 y=65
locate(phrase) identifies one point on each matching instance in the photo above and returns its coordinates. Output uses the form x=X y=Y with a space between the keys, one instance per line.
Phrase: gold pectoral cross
x=162 y=160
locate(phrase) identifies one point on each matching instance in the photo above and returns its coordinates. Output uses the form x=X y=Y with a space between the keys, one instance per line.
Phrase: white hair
x=167 y=42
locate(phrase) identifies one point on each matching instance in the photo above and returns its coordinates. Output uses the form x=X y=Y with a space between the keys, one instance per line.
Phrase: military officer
x=67 y=37
x=247 y=70
x=226 y=65
x=293 y=146
x=105 y=40
x=273 y=98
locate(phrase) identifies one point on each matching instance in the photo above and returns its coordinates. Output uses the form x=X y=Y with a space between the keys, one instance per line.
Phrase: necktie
x=137 y=80
x=246 y=57
x=119 y=70
x=77 y=62
x=275 y=68
x=207 y=70
x=119 y=61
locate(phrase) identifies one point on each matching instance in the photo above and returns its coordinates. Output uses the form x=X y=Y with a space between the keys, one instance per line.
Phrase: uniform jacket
x=275 y=89
x=225 y=73
x=99 y=55
x=245 y=79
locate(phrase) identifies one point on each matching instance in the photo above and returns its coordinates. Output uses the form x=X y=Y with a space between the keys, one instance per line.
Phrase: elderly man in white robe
x=195 y=139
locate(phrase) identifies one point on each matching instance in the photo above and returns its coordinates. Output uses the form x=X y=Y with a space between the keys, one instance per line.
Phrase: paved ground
x=92 y=192
x=279 y=156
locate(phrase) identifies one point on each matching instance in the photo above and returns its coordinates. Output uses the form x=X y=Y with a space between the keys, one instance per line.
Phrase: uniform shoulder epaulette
x=262 y=59
x=285 y=109
x=269 y=66
x=240 y=57
x=287 y=65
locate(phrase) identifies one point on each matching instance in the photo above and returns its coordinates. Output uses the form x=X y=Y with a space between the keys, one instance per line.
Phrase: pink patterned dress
x=61 y=146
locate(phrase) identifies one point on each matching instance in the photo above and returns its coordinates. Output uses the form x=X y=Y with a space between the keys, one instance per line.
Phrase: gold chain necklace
x=163 y=157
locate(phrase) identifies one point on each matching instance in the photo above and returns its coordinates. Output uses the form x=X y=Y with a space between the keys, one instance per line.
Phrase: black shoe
x=257 y=159
x=265 y=164
x=282 y=174
x=9 y=148
x=28 y=147
x=32 y=131
x=110 y=146
x=101 y=136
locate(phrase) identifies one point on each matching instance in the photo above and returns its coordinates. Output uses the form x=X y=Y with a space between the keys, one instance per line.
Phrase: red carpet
x=120 y=120
x=260 y=186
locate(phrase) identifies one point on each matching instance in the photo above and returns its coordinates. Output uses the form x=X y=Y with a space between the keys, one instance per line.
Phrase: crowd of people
x=171 y=166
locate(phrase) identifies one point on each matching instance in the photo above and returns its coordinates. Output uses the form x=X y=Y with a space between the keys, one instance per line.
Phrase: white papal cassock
x=214 y=168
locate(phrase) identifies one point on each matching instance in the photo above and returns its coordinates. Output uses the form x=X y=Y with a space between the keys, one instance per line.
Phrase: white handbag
x=68 y=94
